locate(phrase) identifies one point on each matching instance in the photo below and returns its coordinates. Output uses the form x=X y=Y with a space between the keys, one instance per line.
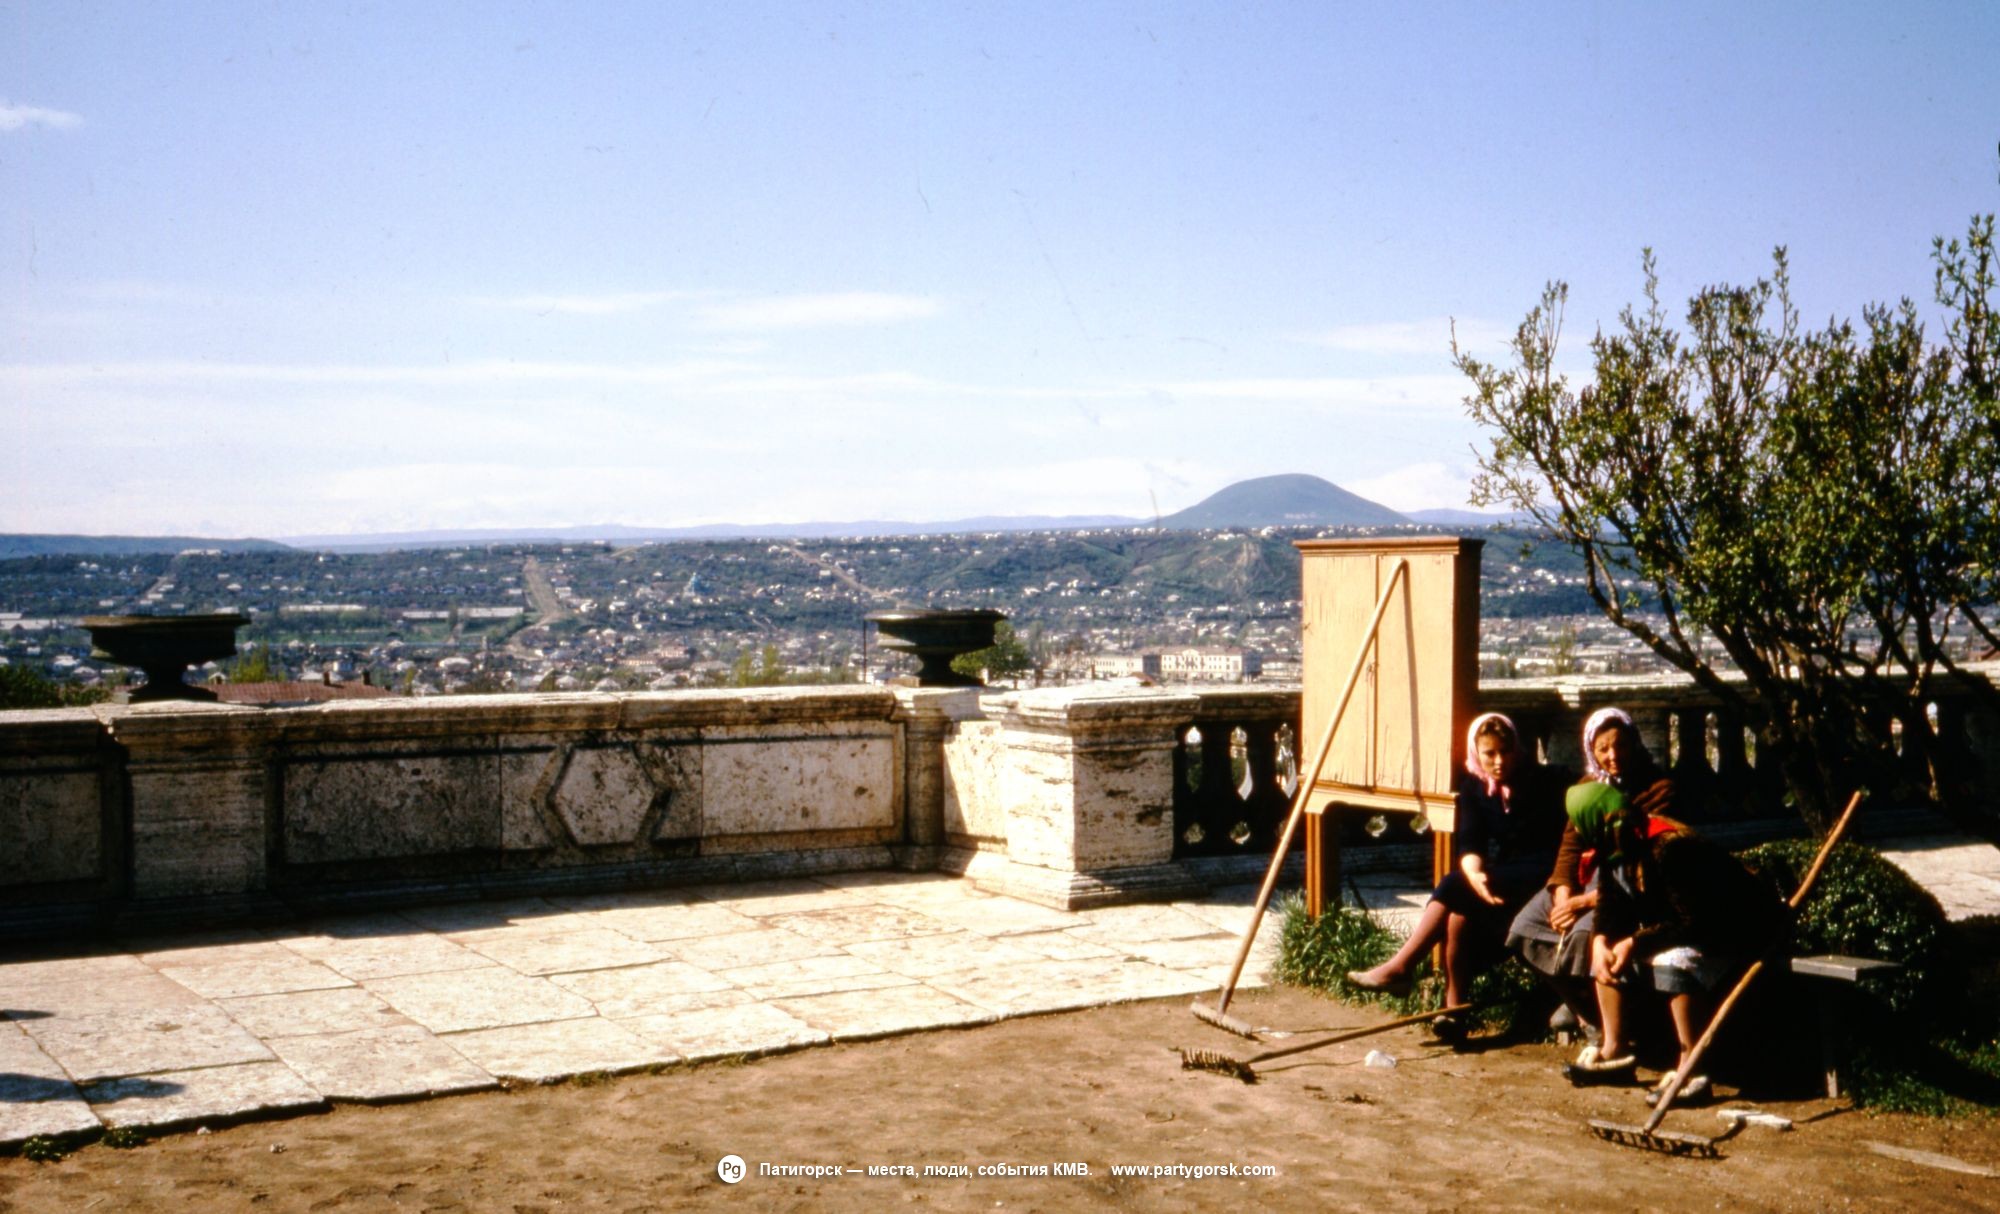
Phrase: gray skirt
x=1557 y=954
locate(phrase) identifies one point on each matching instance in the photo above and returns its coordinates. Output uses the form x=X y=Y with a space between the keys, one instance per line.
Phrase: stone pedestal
x=930 y=717
x=1085 y=781
x=198 y=801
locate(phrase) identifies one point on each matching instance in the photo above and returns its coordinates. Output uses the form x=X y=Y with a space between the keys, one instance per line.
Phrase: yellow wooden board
x=1399 y=744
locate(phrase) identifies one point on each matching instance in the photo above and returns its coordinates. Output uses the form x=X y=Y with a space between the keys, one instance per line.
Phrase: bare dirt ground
x=1488 y=1130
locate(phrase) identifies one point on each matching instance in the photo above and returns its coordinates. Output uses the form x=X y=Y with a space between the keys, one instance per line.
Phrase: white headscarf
x=1594 y=726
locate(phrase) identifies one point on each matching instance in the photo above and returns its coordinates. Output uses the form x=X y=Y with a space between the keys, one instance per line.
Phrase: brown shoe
x=1399 y=987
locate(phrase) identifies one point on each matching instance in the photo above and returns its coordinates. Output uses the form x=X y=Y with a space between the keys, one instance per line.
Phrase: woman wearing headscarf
x=1504 y=835
x=1677 y=915
x=1552 y=932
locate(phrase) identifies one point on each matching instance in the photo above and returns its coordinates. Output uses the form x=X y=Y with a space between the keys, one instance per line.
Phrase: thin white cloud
x=608 y=304
x=736 y=377
x=840 y=310
x=21 y=117
x=1428 y=336
x=1426 y=486
x=482 y=373
x=1444 y=391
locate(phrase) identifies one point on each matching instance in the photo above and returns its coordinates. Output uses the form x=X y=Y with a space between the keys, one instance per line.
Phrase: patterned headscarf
x=1493 y=786
x=1594 y=726
x=1598 y=810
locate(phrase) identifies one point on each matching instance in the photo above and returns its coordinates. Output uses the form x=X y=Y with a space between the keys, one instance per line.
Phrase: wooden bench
x=1839 y=979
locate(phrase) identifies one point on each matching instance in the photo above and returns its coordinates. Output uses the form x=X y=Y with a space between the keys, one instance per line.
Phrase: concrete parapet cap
x=940 y=703
x=183 y=722
x=1670 y=690
x=1249 y=702
x=36 y=731
x=1089 y=709
x=186 y=726
x=756 y=706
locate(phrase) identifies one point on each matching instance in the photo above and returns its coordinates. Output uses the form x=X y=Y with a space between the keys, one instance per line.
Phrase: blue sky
x=278 y=269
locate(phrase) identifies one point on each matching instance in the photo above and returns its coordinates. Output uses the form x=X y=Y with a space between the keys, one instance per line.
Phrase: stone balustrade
x=117 y=815
x=217 y=811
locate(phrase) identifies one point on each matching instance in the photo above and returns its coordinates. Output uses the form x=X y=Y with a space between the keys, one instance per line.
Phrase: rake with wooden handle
x=1218 y=1015
x=1244 y=1068
x=1650 y=1136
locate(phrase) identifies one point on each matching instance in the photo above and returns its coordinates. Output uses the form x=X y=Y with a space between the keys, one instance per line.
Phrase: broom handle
x=1370 y=1031
x=1304 y=794
x=1825 y=850
x=1742 y=984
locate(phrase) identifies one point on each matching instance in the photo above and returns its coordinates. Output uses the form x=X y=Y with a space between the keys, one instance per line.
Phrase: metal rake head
x=1221 y=1064
x=1666 y=1142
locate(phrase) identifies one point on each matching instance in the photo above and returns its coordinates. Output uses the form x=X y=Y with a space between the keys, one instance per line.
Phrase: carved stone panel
x=50 y=822
x=380 y=805
x=758 y=781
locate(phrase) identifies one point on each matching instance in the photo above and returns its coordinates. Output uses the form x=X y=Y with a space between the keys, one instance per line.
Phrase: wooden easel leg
x=1440 y=865
x=1315 y=867
x=1322 y=864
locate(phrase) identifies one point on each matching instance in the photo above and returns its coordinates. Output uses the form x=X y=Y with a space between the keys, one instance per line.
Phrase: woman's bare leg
x=1681 y=1008
x=1611 y=1014
x=1429 y=930
x=1458 y=950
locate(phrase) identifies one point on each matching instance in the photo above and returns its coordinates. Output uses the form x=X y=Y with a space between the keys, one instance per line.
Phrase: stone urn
x=164 y=646
x=934 y=638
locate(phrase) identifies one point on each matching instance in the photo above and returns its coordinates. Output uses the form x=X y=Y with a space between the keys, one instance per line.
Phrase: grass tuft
x=42 y=1149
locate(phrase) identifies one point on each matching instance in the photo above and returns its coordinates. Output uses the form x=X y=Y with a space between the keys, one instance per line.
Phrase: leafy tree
x=1006 y=658
x=21 y=687
x=767 y=669
x=1562 y=653
x=1818 y=503
x=256 y=665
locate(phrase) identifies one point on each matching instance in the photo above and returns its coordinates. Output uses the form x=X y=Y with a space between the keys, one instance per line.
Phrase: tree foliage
x=766 y=669
x=1008 y=657
x=21 y=687
x=1818 y=502
x=257 y=664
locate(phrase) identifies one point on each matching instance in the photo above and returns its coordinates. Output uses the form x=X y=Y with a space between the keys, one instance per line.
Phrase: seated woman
x=1552 y=933
x=1504 y=834
x=1678 y=915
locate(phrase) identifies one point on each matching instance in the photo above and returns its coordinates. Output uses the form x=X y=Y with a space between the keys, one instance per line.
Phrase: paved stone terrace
x=470 y=996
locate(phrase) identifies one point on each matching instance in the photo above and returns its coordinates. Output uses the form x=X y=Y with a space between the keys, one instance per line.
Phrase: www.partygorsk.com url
x=732 y=1170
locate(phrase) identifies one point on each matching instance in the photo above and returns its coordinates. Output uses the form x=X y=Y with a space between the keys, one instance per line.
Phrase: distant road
x=548 y=609
x=840 y=575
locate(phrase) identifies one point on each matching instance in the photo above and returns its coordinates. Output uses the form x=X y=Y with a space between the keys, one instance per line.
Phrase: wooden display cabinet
x=1401 y=739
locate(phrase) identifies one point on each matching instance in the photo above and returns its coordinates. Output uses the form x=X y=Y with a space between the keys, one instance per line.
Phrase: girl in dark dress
x=1508 y=819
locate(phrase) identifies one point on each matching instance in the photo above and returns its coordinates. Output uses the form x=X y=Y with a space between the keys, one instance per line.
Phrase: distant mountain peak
x=1292 y=499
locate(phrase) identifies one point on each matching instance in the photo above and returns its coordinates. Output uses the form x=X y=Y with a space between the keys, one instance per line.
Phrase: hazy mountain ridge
x=12 y=546
x=1286 y=500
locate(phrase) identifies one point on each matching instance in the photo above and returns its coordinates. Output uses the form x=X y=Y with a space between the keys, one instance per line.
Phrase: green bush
x=21 y=687
x=1864 y=906
x=1317 y=953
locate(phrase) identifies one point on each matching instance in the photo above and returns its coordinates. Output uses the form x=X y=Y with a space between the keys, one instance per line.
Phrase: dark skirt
x=1514 y=883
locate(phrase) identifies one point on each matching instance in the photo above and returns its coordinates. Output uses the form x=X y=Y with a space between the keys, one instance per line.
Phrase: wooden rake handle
x=1400 y=571
x=1354 y=1034
x=1750 y=975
